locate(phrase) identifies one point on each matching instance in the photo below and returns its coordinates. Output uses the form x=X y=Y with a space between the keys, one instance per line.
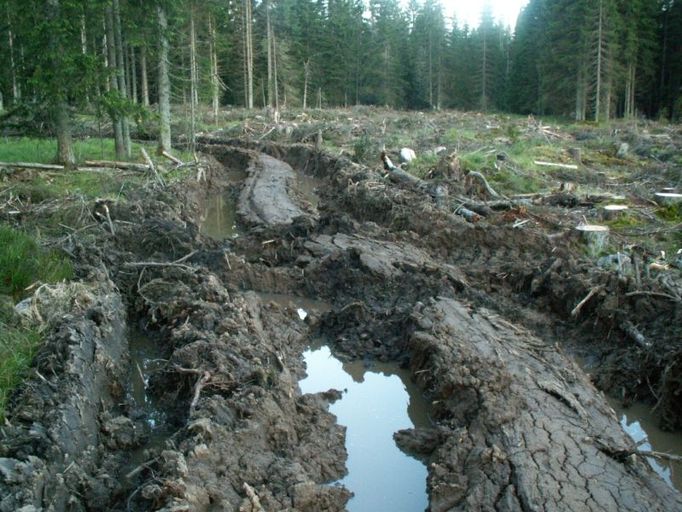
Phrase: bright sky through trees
x=469 y=11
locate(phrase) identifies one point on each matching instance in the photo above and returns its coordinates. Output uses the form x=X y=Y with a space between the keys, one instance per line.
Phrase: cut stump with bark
x=613 y=211
x=595 y=237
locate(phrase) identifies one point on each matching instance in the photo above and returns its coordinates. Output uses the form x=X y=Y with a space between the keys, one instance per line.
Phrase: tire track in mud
x=248 y=440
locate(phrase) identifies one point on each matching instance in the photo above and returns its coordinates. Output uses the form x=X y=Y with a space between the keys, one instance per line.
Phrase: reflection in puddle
x=307 y=186
x=145 y=359
x=640 y=425
x=219 y=220
x=376 y=403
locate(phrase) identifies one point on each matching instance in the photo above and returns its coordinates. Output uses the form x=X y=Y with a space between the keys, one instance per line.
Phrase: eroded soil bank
x=480 y=314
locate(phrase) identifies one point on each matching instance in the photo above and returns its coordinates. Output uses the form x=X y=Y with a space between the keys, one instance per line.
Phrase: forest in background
x=583 y=59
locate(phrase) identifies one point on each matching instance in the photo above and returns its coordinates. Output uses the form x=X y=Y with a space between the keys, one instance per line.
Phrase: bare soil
x=483 y=315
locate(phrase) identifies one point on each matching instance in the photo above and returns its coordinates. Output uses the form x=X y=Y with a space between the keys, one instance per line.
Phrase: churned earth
x=169 y=378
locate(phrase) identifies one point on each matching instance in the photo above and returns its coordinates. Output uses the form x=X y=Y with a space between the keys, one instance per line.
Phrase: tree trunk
x=248 y=21
x=58 y=107
x=306 y=75
x=16 y=90
x=268 y=30
x=164 y=83
x=121 y=76
x=144 y=77
x=597 y=99
x=133 y=75
x=192 y=80
x=215 y=77
x=119 y=145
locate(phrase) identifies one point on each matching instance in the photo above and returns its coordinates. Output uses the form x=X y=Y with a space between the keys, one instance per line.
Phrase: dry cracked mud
x=480 y=314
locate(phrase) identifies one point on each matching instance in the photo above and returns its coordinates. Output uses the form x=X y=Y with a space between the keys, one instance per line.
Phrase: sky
x=469 y=11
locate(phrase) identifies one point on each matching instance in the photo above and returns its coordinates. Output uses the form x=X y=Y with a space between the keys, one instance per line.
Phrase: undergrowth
x=22 y=263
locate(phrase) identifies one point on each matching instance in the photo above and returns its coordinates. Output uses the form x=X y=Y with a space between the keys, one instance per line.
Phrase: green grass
x=27 y=149
x=22 y=263
x=421 y=165
x=18 y=345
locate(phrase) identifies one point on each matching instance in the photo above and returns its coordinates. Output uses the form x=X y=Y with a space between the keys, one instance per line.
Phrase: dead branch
x=170 y=157
x=201 y=382
x=152 y=167
x=253 y=498
x=490 y=190
x=554 y=164
x=111 y=224
x=130 y=166
x=177 y=263
x=654 y=294
x=579 y=306
x=467 y=214
x=629 y=328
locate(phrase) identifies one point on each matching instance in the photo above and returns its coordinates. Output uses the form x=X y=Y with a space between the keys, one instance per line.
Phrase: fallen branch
x=170 y=157
x=131 y=166
x=490 y=190
x=201 y=382
x=579 y=306
x=152 y=167
x=554 y=164
x=253 y=498
x=654 y=294
x=468 y=214
x=629 y=328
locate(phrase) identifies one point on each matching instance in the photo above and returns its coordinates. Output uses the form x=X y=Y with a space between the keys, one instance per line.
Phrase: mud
x=479 y=314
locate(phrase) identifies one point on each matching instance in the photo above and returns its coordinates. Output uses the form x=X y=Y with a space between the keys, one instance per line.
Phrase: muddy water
x=302 y=305
x=376 y=403
x=146 y=358
x=641 y=425
x=308 y=186
x=219 y=218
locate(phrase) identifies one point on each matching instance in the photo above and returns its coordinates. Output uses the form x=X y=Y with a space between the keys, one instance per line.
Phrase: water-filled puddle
x=145 y=359
x=641 y=425
x=376 y=403
x=219 y=219
x=308 y=186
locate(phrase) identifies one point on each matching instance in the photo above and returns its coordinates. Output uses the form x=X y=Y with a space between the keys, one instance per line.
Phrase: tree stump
x=595 y=237
x=613 y=211
x=668 y=198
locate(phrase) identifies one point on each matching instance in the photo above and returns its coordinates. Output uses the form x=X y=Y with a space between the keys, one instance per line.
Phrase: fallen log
x=30 y=165
x=130 y=166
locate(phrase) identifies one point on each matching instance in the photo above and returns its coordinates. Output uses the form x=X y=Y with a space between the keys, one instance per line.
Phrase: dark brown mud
x=480 y=314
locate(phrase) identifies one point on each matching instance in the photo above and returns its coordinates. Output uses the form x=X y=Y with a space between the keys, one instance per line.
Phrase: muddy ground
x=482 y=313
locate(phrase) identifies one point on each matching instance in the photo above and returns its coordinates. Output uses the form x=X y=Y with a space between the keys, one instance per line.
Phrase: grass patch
x=23 y=262
x=512 y=182
x=421 y=165
x=671 y=213
x=18 y=345
x=29 y=149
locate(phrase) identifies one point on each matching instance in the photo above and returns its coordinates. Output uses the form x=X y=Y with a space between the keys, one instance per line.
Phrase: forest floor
x=168 y=378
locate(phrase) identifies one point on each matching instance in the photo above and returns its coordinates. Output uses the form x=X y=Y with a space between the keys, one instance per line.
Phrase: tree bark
x=248 y=29
x=215 y=77
x=193 y=79
x=16 y=90
x=164 y=83
x=144 y=78
x=121 y=75
x=133 y=75
x=119 y=144
x=600 y=42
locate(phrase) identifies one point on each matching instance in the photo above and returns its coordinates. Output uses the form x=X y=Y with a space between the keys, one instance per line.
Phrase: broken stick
x=579 y=306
